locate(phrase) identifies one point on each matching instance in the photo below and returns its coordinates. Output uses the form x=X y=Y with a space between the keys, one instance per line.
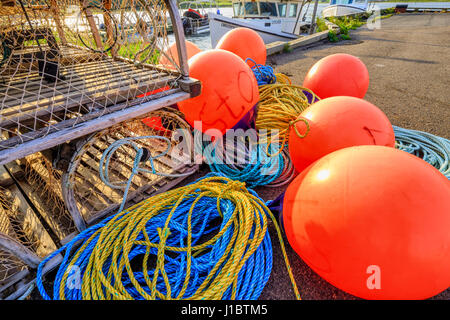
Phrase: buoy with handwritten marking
x=172 y=52
x=229 y=91
x=338 y=75
x=246 y=43
x=336 y=123
x=373 y=221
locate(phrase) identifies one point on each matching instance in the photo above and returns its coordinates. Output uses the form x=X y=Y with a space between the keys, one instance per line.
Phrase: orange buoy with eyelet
x=336 y=123
x=373 y=221
x=338 y=75
x=246 y=43
x=229 y=91
x=172 y=52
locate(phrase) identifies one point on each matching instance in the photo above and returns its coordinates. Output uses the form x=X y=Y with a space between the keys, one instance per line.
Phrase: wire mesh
x=63 y=62
x=45 y=185
x=92 y=197
x=14 y=223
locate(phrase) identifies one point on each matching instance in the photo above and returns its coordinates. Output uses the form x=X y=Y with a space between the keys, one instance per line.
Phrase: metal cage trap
x=76 y=76
x=71 y=67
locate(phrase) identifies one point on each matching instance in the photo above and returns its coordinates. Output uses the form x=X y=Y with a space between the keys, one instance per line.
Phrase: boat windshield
x=346 y=1
x=282 y=9
x=251 y=8
x=268 y=9
x=292 y=10
x=236 y=8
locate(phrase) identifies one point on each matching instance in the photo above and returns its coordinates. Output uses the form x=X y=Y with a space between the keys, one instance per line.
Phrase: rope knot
x=233 y=185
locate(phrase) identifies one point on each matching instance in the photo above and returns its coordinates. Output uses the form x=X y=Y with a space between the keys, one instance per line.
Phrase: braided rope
x=433 y=149
x=247 y=163
x=193 y=257
x=279 y=107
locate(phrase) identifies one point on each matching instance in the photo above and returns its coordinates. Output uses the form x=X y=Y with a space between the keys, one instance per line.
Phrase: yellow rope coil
x=279 y=107
x=119 y=235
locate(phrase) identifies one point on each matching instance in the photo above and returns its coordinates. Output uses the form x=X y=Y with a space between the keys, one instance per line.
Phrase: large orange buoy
x=373 y=221
x=246 y=43
x=172 y=52
x=338 y=75
x=229 y=90
x=336 y=123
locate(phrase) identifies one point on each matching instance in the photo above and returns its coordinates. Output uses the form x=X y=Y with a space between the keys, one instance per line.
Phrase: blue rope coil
x=110 y=151
x=433 y=149
x=263 y=73
x=246 y=163
x=251 y=278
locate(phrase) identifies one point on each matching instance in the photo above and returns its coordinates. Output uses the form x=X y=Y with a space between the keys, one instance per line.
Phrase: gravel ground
x=408 y=65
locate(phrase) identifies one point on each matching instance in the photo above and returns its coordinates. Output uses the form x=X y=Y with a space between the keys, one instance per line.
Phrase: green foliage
x=332 y=37
x=321 y=26
x=287 y=48
x=345 y=37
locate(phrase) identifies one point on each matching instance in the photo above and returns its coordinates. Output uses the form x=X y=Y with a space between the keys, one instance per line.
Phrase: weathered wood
x=163 y=183
x=89 y=123
x=23 y=253
x=31 y=222
x=13 y=279
x=109 y=26
x=5 y=179
x=80 y=91
x=92 y=25
x=54 y=8
x=44 y=210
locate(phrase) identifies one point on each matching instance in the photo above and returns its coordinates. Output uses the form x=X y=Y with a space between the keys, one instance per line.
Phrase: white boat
x=195 y=16
x=340 y=8
x=273 y=20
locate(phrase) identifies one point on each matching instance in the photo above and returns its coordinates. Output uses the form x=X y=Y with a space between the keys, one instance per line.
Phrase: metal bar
x=178 y=32
x=96 y=124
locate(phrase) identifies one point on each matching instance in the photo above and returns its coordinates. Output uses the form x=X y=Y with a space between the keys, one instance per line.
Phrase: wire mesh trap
x=70 y=67
x=42 y=184
x=89 y=198
x=23 y=243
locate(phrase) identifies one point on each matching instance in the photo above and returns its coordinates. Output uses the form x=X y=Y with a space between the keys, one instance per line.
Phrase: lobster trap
x=160 y=133
x=72 y=67
x=76 y=76
x=24 y=242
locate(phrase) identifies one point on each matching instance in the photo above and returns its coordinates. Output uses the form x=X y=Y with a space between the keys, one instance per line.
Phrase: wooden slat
x=35 y=92
x=116 y=93
x=74 y=128
x=48 y=211
x=31 y=222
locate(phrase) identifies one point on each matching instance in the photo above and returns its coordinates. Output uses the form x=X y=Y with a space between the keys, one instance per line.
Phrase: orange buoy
x=338 y=75
x=373 y=221
x=336 y=123
x=246 y=43
x=172 y=52
x=229 y=90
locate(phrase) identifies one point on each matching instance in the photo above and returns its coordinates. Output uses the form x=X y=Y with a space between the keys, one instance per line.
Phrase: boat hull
x=269 y=30
x=340 y=10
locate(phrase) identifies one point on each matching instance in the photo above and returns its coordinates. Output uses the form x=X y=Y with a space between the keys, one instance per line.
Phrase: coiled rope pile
x=247 y=161
x=433 y=149
x=279 y=107
x=207 y=240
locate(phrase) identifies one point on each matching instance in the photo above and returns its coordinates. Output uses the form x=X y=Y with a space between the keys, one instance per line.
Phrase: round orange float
x=336 y=123
x=338 y=75
x=373 y=221
x=229 y=90
x=246 y=43
x=172 y=52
